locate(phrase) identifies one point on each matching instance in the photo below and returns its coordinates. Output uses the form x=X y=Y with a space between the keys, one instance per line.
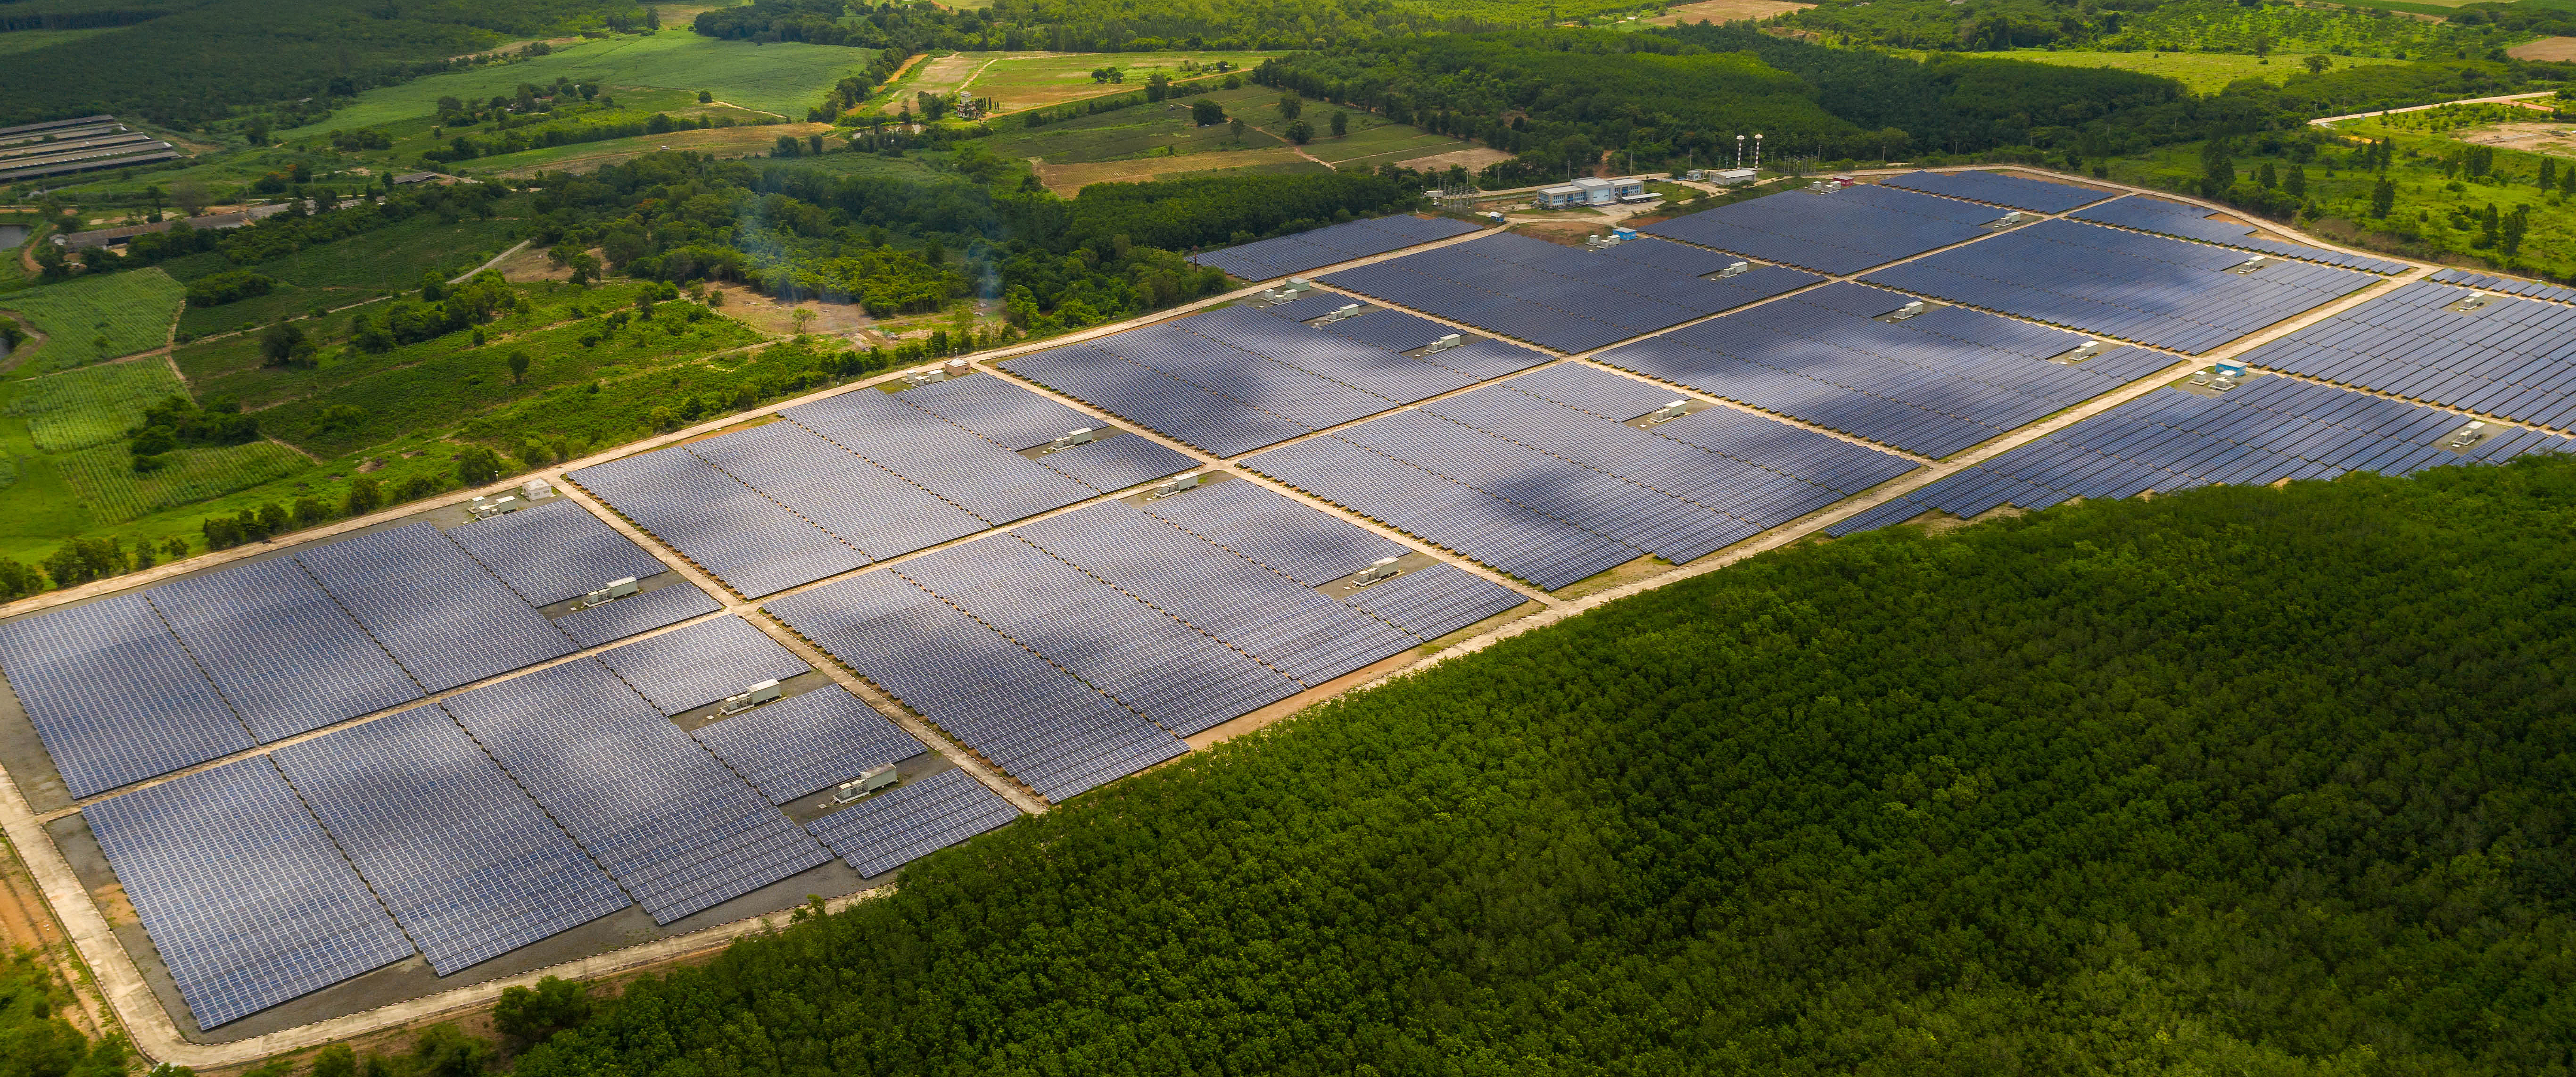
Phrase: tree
x=477 y=465
x=285 y=344
x=1290 y=105
x=1341 y=123
x=1206 y=113
x=1158 y=86
x=530 y=1015
x=336 y=1060
x=2515 y=225
x=1299 y=131
x=1236 y=128
x=2383 y=198
x=518 y=365
x=366 y=494
x=446 y=1051
x=2317 y=65
x=2217 y=168
x=2295 y=181
x=2265 y=177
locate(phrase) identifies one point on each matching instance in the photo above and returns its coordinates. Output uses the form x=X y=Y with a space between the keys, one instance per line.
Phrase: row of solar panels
x=1269 y=259
x=2193 y=222
x=2445 y=345
x=2165 y=292
x=1839 y=231
x=2017 y=192
x=1563 y=298
x=2267 y=430
x=1539 y=476
x=1934 y=383
x=508 y=814
x=147 y=682
x=864 y=476
x=1079 y=649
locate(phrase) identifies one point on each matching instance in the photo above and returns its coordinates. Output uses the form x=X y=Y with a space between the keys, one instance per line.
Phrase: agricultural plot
x=1374 y=141
x=87 y=319
x=80 y=408
x=103 y=477
x=353 y=270
x=2203 y=72
x=1142 y=131
x=587 y=156
x=784 y=78
x=1039 y=80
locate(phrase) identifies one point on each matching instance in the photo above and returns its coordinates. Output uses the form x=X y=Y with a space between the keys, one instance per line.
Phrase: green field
x=353 y=270
x=80 y=408
x=104 y=479
x=31 y=40
x=785 y=78
x=1039 y=80
x=586 y=156
x=1374 y=140
x=2203 y=72
x=87 y=319
x=1138 y=131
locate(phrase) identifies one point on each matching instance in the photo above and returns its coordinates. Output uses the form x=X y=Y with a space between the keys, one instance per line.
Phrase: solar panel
x=1030 y=717
x=694 y=666
x=880 y=513
x=113 y=696
x=669 y=604
x=2165 y=292
x=1116 y=463
x=242 y=892
x=1560 y=297
x=1272 y=258
x=288 y=658
x=807 y=743
x=1184 y=412
x=1435 y=600
x=554 y=550
x=995 y=484
x=432 y=607
x=1272 y=531
x=721 y=525
x=2198 y=222
x=470 y=867
x=998 y=410
x=2448 y=346
x=1843 y=231
x=2266 y=430
x=1282 y=623
x=2018 y=192
x=911 y=821
x=2507 y=285
x=681 y=831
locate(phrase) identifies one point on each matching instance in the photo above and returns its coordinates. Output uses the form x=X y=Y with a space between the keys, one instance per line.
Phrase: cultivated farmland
x=92 y=318
x=1038 y=80
x=80 y=408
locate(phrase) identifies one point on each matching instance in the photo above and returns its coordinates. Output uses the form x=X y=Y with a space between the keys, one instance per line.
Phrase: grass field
x=2203 y=72
x=353 y=270
x=1163 y=140
x=1140 y=131
x=583 y=157
x=1068 y=180
x=87 y=319
x=785 y=78
x=1037 y=80
x=1373 y=141
x=89 y=406
x=31 y=40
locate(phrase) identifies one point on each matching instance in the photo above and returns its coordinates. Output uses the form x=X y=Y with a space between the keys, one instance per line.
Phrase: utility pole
x=1757 y=153
x=1739 y=151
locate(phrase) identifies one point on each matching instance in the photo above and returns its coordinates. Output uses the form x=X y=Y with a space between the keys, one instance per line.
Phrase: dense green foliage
x=2253 y=28
x=34 y=1039
x=2242 y=781
x=200 y=59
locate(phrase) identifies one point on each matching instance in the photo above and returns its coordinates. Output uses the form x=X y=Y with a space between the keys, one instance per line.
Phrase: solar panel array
x=1271 y=258
x=241 y=890
x=1027 y=715
x=113 y=695
x=1836 y=232
x=2019 y=192
x=432 y=607
x=995 y=484
x=1477 y=357
x=1561 y=297
x=1232 y=381
x=2507 y=285
x=1933 y=384
x=1435 y=600
x=2153 y=290
x=666 y=605
x=998 y=411
x=287 y=657
x=1550 y=492
x=2267 y=430
x=807 y=743
x=677 y=828
x=554 y=550
x=753 y=544
x=2194 y=222
x=912 y=820
x=467 y=863
x=2514 y=358
x=694 y=666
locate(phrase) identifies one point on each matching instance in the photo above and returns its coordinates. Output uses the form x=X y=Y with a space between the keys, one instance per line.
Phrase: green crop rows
x=353 y=270
x=81 y=408
x=104 y=479
x=92 y=318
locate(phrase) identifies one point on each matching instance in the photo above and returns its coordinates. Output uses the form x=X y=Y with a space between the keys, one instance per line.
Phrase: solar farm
x=792 y=654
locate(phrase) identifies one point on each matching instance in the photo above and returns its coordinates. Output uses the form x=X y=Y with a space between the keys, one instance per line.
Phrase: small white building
x=1728 y=177
x=1561 y=196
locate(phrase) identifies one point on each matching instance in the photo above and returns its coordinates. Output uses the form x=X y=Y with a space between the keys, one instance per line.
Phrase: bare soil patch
x=2552 y=138
x=1568 y=233
x=764 y=313
x=1069 y=179
x=1724 y=11
x=531 y=264
x=2547 y=48
x=1474 y=159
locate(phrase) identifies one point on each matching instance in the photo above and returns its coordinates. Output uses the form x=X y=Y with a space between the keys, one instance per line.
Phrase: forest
x=2242 y=781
